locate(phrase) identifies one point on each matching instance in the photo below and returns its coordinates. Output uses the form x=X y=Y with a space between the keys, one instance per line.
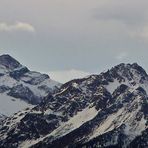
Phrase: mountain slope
x=20 y=86
x=106 y=110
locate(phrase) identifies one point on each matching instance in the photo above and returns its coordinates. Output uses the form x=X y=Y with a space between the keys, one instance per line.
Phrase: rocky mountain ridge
x=105 y=110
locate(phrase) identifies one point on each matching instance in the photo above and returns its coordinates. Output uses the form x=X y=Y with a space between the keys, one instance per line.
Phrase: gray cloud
x=132 y=14
x=129 y=12
x=80 y=34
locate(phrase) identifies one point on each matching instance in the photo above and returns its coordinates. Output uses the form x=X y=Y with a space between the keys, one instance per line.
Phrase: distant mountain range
x=20 y=87
x=109 y=110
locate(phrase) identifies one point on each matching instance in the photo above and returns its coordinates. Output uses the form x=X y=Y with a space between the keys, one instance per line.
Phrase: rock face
x=19 y=83
x=106 y=110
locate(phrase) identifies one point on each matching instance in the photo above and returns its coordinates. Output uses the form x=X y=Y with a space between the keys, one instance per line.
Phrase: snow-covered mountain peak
x=19 y=84
x=131 y=75
x=131 y=72
x=9 y=62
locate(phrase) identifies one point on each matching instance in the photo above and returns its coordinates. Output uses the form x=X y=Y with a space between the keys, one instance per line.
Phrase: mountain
x=20 y=87
x=108 y=110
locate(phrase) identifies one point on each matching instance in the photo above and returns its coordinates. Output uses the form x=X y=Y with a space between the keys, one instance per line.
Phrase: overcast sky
x=83 y=35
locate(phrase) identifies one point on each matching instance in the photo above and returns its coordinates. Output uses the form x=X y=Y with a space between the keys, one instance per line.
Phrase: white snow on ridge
x=106 y=125
x=10 y=105
x=72 y=124
x=112 y=86
x=123 y=116
x=76 y=121
x=6 y=80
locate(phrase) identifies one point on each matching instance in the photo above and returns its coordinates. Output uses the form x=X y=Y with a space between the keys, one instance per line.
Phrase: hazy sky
x=86 y=35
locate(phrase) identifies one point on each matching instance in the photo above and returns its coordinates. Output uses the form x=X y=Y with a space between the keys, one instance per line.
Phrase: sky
x=83 y=36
